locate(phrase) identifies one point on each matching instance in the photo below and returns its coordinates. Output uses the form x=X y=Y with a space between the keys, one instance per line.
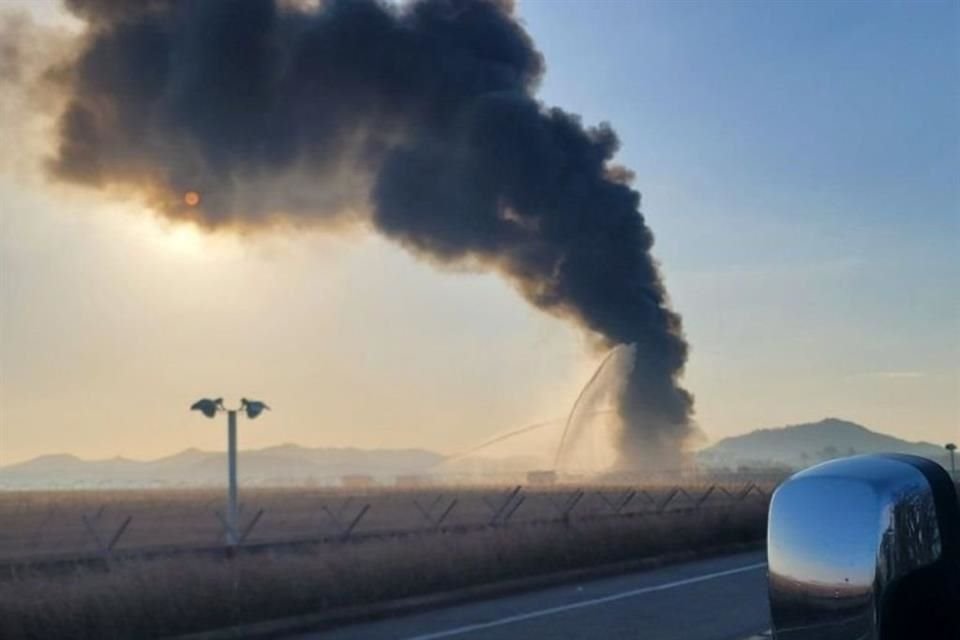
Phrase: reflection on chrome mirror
x=847 y=536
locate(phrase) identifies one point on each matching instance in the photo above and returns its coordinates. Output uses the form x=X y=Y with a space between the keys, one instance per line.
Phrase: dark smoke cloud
x=419 y=120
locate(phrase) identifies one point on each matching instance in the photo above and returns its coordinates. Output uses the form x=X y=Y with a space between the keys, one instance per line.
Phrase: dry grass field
x=43 y=524
x=180 y=594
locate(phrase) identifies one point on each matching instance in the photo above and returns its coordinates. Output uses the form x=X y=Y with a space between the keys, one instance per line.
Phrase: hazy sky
x=798 y=165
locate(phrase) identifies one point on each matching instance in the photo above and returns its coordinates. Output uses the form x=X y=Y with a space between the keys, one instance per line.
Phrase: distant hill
x=793 y=446
x=801 y=445
x=285 y=464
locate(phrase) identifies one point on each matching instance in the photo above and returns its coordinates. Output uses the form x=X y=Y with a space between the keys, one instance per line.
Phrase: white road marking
x=540 y=613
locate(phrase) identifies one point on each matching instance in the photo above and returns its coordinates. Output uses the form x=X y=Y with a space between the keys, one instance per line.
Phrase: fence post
x=225 y=524
x=646 y=496
x=574 y=501
x=706 y=495
x=250 y=526
x=116 y=536
x=424 y=513
x=746 y=491
x=105 y=550
x=355 y=522
x=92 y=531
x=567 y=508
x=507 y=516
x=605 y=500
x=443 y=516
x=332 y=516
x=427 y=512
x=630 y=495
x=666 y=501
x=506 y=503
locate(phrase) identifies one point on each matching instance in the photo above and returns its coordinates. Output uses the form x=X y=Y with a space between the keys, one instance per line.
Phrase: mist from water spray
x=593 y=419
x=590 y=437
x=500 y=438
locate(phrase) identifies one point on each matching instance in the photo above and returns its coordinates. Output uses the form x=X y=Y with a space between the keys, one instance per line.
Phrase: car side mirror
x=865 y=548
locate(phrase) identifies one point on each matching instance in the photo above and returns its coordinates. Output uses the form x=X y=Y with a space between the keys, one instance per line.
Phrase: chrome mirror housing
x=865 y=548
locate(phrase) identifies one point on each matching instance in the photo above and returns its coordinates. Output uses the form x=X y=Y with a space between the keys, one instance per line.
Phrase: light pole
x=209 y=408
x=953 y=467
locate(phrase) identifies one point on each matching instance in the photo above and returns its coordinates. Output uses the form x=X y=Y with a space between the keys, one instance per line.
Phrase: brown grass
x=156 y=598
x=43 y=523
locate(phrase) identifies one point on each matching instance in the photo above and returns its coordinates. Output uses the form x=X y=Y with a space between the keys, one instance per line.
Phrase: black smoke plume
x=420 y=120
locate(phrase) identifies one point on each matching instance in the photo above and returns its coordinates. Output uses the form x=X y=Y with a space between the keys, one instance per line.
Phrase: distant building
x=541 y=477
x=357 y=481
x=411 y=481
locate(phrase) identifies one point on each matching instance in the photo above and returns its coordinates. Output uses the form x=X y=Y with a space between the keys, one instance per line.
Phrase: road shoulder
x=286 y=627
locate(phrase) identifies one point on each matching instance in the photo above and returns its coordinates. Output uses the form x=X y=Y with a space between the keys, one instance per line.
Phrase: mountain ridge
x=282 y=464
x=785 y=447
x=799 y=445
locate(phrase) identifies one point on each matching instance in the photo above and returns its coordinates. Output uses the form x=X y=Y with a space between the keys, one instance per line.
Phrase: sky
x=798 y=166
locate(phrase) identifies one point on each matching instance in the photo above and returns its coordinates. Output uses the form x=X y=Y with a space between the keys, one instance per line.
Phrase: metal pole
x=232 y=477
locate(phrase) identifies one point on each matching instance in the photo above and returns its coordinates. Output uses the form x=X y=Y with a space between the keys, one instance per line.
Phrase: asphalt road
x=718 y=599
